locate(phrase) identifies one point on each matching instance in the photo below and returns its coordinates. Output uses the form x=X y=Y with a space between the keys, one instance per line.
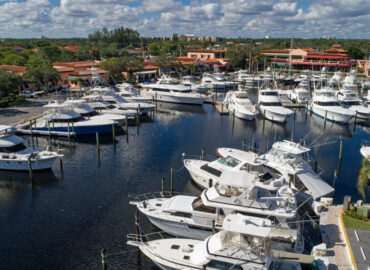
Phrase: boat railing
x=154 y=195
x=200 y=157
x=144 y=238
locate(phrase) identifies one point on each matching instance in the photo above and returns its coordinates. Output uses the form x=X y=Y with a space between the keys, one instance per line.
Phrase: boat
x=365 y=149
x=238 y=103
x=303 y=77
x=108 y=94
x=128 y=92
x=284 y=97
x=194 y=86
x=196 y=217
x=62 y=117
x=335 y=79
x=290 y=159
x=300 y=94
x=325 y=105
x=243 y=243
x=15 y=156
x=205 y=173
x=365 y=85
x=270 y=106
x=217 y=82
x=350 y=100
x=165 y=90
x=350 y=81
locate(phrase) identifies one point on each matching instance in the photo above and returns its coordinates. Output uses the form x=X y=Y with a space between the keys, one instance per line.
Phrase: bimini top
x=10 y=140
x=238 y=223
x=236 y=179
x=290 y=147
x=56 y=105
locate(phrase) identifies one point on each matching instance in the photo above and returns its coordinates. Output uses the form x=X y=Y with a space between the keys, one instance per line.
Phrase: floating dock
x=293 y=257
x=45 y=133
x=221 y=108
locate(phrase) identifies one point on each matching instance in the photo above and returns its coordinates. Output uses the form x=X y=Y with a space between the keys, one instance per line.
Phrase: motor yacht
x=238 y=103
x=327 y=106
x=335 y=80
x=62 y=117
x=174 y=92
x=290 y=160
x=194 y=86
x=300 y=94
x=350 y=81
x=15 y=156
x=365 y=149
x=243 y=243
x=104 y=107
x=128 y=92
x=284 y=97
x=303 y=77
x=195 y=217
x=270 y=106
x=218 y=82
x=108 y=94
x=350 y=100
x=205 y=173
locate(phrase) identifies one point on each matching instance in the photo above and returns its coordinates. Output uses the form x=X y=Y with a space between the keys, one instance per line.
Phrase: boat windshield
x=13 y=149
x=229 y=161
x=269 y=93
x=199 y=206
x=327 y=103
x=353 y=102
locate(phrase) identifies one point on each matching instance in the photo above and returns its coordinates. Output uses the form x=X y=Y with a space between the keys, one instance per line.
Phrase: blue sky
x=227 y=18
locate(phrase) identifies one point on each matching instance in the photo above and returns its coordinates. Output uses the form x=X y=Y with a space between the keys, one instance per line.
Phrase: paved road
x=360 y=244
x=11 y=115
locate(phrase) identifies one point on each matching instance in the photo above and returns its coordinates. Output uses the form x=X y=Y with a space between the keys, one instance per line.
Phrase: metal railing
x=144 y=238
x=154 y=195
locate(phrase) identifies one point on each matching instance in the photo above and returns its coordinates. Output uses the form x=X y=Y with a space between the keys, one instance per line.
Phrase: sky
x=228 y=18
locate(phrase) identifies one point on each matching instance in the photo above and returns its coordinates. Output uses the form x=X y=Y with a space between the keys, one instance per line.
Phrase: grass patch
x=355 y=223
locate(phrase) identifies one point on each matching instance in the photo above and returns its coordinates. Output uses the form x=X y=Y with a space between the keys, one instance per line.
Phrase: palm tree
x=364 y=177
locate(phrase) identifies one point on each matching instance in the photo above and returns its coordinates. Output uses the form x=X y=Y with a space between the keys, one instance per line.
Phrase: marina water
x=67 y=217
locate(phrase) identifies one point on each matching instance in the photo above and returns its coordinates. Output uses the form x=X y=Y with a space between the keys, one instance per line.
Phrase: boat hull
x=22 y=165
x=331 y=116
x=272 y=116
x=80 y=130
x=177 y=99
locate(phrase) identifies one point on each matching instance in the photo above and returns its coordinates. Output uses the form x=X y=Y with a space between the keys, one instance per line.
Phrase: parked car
x=28 y=94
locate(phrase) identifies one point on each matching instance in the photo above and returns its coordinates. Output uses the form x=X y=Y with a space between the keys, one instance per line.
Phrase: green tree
x=356 y=52
x=364 y=177
x=114 y=68
x=10 y=83
x=66 y=55
x=51 y=53
x=237 y=56
x=43 y=76
x=13 y=59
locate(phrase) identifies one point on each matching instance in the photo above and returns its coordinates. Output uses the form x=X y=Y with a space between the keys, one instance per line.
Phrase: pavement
x=360 y=244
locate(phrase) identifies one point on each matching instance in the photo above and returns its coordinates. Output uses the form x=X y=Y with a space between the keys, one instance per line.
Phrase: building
x=149 y=72
x=72 y=48
x=206 y=53
x=333 y=59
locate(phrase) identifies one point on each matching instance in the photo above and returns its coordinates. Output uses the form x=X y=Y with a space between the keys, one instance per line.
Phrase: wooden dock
x=293 y=257
x=45 y=133
x=221 y=108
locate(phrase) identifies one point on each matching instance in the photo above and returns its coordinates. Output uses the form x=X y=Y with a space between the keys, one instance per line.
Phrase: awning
x=317 y=186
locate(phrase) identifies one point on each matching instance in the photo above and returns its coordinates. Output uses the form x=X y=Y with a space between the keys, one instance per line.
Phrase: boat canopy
x=290 y=147
x=315 y=184
x=238 y=223
x=5 y=127
x=236 y=179
x=9 y=141
x=244 y=156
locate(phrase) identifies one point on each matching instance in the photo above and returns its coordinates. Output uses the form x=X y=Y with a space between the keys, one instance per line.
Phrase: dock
x=293 y=257
x=45 y=133
x=221 y=108
x=333 y=235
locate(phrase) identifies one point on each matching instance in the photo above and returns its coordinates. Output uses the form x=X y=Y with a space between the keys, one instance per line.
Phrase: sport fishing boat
x=238 y=102
x=217 y=82
x=336 y=79
x=303 y=77
x=194 y=86
x=291 y=160
x=270 y=106
x=284 y=97
x=327 y=106
x=350 y=81
x=15 y=156
x=166 y=90
x=204 y=173
x=242 y=244
x=350 y=100
x=195 y=217
x=128 y=92
x=300 y=94
x=61 y=117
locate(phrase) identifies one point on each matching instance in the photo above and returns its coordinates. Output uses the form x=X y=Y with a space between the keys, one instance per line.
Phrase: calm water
x=66 y=218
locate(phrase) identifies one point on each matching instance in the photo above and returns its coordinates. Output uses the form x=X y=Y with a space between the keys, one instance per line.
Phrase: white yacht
x=250 y=80
x=217 y=82
x=300 y=94
x=193 y=217
x=242 y=75
x=174 y=92
x=365 y=85
x=195 y=87
x=104 y=107
x=350 y=81
x=270 y=106
x=290 y=159
x=62 y=117
x=110 y=95
x=303 y=77
x=335 y=79
x=204 y=173
x=128 y=92
x=15 y=156
x=243 y=244
x=326 y=105
x=238 y=102
x=350 y=100
x=284 y=96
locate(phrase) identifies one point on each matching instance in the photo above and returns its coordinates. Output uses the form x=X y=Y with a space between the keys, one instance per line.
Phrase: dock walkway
x=333 y=236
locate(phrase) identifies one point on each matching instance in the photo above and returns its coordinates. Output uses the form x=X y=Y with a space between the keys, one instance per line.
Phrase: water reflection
x=318 y=127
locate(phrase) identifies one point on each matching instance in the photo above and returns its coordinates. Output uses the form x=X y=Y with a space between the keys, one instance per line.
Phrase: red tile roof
x=206 y=51
x=19 y=69
x=72 y=48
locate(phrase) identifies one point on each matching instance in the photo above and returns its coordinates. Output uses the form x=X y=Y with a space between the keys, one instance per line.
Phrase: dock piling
x=315 y=168
x=113 y=133
x=213 y=226
x=202 y=153
x=326 y=114
x=243 y=145
x=163 y=187
x=172 y=178
x=137 y=225
x=30 y=170
x=103 y=259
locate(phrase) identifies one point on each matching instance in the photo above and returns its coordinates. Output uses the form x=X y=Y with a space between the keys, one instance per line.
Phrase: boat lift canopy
x=317 y=186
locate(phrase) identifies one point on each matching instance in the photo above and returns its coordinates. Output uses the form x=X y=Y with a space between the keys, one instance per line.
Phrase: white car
x=28 y=94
